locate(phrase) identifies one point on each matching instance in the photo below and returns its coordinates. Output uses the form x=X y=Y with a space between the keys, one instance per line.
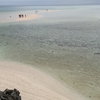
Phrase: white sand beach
x=32 y=83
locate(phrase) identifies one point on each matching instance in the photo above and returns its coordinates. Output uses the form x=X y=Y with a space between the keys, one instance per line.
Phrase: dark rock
x=10 y=95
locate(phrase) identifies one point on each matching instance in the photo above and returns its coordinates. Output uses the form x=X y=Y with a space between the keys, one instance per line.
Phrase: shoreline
x=32 y=83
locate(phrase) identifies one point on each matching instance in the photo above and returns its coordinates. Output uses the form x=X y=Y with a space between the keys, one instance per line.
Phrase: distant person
x=22 y=15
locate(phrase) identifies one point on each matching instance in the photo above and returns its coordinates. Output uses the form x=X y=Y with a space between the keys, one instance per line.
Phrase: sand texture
x=33 y=84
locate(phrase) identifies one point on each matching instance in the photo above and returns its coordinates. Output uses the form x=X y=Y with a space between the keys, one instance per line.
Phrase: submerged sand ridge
x=33 y=84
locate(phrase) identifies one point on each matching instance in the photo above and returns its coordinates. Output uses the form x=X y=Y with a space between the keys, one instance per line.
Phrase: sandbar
x=17 y=19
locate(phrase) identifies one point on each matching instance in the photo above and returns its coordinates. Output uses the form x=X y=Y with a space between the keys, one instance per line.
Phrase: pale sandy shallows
x=32 y=83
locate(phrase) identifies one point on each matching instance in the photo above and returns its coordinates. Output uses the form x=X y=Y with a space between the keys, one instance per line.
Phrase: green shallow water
x=67 y=50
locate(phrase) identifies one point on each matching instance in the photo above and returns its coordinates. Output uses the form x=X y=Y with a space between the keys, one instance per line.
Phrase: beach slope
x=32 y=83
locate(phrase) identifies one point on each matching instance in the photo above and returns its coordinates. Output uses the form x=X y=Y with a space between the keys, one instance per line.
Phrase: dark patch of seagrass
x=97 y=53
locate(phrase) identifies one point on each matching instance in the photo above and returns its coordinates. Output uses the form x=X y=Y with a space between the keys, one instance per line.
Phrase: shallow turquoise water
x=64 y=44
